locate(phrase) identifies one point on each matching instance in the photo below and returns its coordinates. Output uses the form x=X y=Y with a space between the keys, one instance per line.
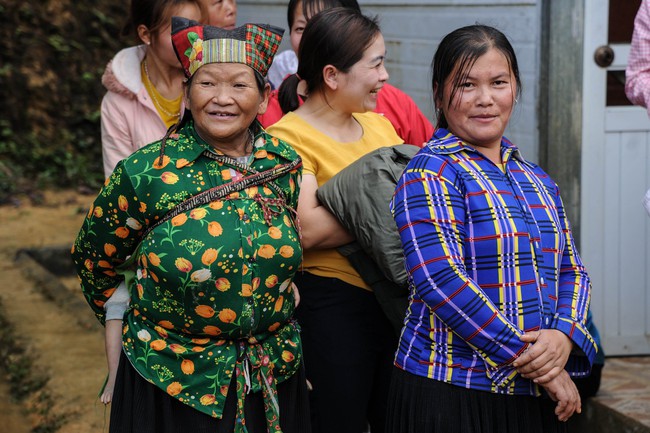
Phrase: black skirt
x=140 y=407
x=422 y=405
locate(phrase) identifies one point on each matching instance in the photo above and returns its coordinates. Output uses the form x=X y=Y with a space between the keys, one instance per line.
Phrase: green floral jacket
x=212 y=293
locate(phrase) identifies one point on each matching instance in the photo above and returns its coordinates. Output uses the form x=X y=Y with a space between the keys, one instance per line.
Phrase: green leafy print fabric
x=211 y=284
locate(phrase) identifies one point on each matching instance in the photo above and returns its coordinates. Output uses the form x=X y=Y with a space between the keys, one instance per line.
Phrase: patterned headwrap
x=251 y=44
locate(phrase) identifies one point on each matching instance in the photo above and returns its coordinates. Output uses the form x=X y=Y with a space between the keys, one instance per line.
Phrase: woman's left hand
x=545 y=359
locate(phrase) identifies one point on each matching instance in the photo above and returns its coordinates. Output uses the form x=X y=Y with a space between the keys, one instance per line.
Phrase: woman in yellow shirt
x=348 y=342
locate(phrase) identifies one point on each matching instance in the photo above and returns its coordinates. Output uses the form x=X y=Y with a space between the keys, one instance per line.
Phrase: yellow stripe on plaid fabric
x=223 y=51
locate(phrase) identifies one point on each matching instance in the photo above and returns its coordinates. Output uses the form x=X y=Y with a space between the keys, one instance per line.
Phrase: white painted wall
x=412 y=30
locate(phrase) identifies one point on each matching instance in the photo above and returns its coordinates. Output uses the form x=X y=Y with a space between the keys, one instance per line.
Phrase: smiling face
x=358 y=88
x=224 y=99
x=482 y=103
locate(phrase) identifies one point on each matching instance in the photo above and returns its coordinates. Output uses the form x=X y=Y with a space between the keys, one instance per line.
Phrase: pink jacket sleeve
x=117 y=142
x=637 y=83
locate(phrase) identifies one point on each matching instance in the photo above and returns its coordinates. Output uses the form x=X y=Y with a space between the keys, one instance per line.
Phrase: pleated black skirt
x=422 y=405
x=140 y=407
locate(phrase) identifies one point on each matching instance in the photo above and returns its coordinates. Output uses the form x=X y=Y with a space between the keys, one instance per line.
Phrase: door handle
x=604 y=56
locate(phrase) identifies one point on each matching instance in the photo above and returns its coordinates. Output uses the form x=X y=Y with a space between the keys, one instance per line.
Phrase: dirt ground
x=72 y=358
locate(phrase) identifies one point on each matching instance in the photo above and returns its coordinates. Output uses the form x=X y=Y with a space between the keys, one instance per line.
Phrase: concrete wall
x=412 y=30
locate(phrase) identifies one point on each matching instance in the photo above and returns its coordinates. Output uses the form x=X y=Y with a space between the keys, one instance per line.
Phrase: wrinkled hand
x=562 y=390
x=296 y=293
x=546 y=357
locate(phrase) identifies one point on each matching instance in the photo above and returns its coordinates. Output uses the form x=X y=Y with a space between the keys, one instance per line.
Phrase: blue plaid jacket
x=490 y=256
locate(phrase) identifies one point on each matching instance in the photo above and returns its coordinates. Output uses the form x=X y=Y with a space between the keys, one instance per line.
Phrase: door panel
x=615 y=175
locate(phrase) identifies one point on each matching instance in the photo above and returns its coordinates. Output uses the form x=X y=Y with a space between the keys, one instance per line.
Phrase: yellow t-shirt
x=324 y=157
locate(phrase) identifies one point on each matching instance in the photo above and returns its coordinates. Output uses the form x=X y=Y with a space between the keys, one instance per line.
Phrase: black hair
x=457 y=53
x=336 y=37
x=312 y=7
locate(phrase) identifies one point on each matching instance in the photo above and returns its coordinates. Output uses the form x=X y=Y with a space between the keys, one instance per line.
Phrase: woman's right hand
x=564 y=391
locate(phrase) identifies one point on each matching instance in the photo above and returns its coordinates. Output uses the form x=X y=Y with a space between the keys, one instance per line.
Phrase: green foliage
x=52 y=56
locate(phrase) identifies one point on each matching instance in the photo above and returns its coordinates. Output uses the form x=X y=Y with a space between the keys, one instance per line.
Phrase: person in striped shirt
x=499 y=296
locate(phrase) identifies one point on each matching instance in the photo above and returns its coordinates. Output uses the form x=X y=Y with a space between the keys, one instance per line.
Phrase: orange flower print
x=222 y=284
x=246 y=290
x=286 y=220
x=158 y=345
x=286 y=251
x=109 y=249
x=275 y=232
x=244 y=269
x=154 y=259
x=187 y=366
x=278 y=304
x=204 y=311
x=225 y=174
x=216 y=205
x=261 y=153
x=182 y=163
x=200 y=340
x=166 y=324
x=292 y=185
x=122 y=232
x=104 y=264
x=271 y=281
x=211 y=330
x=227 y=315
x=287 y=356
x=198 y=213
x=89 y=264
x=215 y=229
x=224 y=390
x=179 y=220
x=174 y=388
x=133 y=223
x=143 y=207
x=198 y=349
x=161 y=331
x=140 y=289
x=274 y=327
x=209 y=256
x=169 y=178
x=256 y=283
x=201 y=275
x=183 y=265
x=122 y=203
x=177 y=348
x=98 y=212
x=207 y=399
x=266 y=251
x=158 y=164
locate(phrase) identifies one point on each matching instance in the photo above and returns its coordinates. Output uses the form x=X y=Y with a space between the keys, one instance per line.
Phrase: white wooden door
x=615 y=229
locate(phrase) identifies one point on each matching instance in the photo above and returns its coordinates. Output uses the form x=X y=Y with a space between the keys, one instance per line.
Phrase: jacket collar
x=444 y=142
x=186 y=146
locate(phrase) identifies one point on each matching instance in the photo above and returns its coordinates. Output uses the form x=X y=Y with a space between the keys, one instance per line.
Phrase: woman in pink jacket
x=144 y=82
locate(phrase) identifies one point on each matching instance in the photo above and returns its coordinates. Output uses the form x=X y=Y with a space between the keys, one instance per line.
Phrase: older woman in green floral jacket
x=208 y=337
